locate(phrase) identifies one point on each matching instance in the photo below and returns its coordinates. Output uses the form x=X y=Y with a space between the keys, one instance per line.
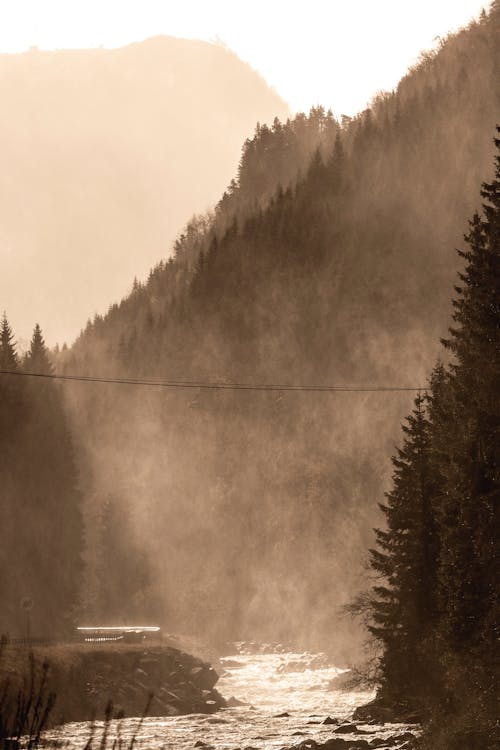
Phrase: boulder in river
x=407 y=738
x=233 y=702
x=336 y=743
x=232 y=664
x=380 y=712
x=347 y=729
x=204 y=677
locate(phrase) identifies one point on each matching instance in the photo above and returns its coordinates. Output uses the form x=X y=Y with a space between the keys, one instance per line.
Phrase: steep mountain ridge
x=105 y=154
x=257 y=507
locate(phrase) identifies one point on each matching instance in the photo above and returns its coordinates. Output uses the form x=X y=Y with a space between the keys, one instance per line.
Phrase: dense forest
x=41 y=534
x=328 y=261
x=437 y=557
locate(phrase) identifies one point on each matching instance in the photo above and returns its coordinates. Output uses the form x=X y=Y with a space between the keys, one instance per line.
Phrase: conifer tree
x=51 y=498
x=12 y=414
x=37 y=358
x=439 y=554
x=8 y=356
x=403 y=609
x=41 y=532
x=469 y=563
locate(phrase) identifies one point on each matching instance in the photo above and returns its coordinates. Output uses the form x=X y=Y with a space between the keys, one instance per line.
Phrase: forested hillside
x=41 y=534
x=329 y=260
x=436 y=561
x=105 y=154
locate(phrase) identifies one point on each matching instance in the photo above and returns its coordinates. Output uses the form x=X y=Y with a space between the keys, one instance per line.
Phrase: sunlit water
x=271 y=684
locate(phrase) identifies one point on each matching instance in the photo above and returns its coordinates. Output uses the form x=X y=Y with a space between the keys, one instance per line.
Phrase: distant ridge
x=331 y=259
x=105 y=155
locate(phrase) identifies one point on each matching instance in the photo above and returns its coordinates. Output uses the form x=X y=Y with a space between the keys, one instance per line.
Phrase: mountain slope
x=105 y=154
x=256 y=508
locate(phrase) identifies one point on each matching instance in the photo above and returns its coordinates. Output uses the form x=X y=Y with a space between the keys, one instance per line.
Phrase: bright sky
x=334 y=52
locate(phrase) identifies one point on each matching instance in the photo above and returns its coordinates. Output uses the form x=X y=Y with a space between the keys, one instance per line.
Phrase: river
x=269 y=684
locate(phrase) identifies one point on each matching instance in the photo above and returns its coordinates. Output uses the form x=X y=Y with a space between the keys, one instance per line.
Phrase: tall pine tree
x=41 y=531
x=439 y=554
x=404 y=608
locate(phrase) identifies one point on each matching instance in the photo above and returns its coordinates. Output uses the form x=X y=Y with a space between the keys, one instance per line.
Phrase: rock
x=407 y=738
x=232 y=664
x=284 y=715
x=203 y=677
x=172 y=710
x=335 y=743
x=329 y=720
x=374 y=711
x=175 y=676
x=377 y=742
x=200 y=743
x=379 y=712
x=157 y=701
x=347 y=729
x=148 y=660
x=169 y=695
x=233 y=702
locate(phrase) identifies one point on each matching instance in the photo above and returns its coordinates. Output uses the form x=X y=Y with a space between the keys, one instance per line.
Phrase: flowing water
x=269 y=684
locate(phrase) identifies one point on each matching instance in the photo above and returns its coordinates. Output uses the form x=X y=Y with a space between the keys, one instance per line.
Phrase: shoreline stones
x=168 y=681
x=403 y=741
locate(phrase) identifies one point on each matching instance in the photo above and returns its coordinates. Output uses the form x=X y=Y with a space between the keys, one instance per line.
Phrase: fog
x=106 y=153
x=329 y=260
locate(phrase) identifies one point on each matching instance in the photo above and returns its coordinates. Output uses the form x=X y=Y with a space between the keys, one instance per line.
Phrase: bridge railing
x=90 y=636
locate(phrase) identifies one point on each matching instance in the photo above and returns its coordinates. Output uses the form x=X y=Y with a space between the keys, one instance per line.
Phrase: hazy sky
x=335 y=52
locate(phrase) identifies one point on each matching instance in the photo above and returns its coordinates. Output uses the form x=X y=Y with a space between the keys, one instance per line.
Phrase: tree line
x=435 y=609
x=328 y=260
x=41 y=534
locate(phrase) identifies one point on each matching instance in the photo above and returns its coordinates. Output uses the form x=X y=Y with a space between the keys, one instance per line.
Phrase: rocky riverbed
x=85 y=678
x=274 y=701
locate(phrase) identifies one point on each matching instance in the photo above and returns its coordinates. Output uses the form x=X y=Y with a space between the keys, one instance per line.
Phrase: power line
x=183 y=384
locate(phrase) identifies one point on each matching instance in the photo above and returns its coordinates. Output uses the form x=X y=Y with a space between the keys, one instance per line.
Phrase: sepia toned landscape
x=249 y=403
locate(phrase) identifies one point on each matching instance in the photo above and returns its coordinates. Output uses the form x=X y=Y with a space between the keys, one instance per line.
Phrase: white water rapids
x=270 y=684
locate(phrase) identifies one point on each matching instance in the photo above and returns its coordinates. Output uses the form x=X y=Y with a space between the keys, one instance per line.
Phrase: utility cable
x=183 y=384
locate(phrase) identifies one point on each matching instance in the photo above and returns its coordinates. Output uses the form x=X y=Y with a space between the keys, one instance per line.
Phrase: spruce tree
x=41 y=534
x=404 y=606
x=12 y=414
x=468 y=571
x=8 y=355
x=37 y=358
x=439 y=554
x=51 y=499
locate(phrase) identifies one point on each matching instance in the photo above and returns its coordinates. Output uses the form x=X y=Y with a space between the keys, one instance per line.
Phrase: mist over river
x=287 y=696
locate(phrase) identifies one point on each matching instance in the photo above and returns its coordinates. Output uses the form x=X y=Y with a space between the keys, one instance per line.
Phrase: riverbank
x=85 y=678
x=275 y=700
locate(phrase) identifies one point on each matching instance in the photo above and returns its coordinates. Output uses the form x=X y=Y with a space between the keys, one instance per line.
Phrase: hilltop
x=105 y=155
